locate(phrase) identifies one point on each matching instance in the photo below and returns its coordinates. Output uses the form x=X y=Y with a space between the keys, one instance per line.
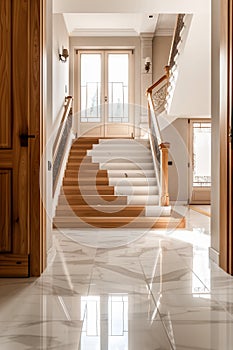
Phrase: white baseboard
x=214 y=255
x=61 y=173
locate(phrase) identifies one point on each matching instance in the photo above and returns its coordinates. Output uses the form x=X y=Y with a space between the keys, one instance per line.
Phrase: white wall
x=56 y=76
x=60 y=69
x=192 y=91
x=161 y=51
x=177 y=133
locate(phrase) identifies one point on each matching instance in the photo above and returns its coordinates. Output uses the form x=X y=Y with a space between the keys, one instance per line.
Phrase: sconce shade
x=64 y=55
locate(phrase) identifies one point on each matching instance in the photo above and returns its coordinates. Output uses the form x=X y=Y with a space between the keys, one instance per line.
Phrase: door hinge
x=230 y=134
x=188 y=165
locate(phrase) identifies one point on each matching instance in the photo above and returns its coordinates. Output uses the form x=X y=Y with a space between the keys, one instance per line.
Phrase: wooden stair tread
x=106 y=222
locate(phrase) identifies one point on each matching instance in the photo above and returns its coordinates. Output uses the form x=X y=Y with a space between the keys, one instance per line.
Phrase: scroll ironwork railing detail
x=176 y=39
x=157 y=96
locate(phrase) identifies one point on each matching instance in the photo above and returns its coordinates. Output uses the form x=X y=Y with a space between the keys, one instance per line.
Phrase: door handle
x=24 y=139
x=105 y=98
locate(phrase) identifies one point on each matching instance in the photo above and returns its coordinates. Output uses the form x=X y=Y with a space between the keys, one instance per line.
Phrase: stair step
x=116 y=152
x=135 y=190
x=76 y=199
x=84 y=190
x=75 y=181
x=78 y=158
x=99 y=210
x=143 y=199
x=127 y=166
x=78 y=152
x=132 y=181
x=120 y=159
x=119 y=147
x=76 y=166
x=86 y=173
x=135 y=173
x=105 y=222
x=86 y=140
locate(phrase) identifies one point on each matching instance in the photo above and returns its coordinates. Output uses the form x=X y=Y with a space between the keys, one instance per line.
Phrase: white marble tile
x=40 y=335
x=156 y=286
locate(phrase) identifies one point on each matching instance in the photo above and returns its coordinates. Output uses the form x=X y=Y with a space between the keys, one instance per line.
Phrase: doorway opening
x=200 y=167
x=103 y=93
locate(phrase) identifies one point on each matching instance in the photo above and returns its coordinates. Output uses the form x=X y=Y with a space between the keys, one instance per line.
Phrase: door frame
x=37 y=216
x=226 y=111
x=190 y=176
x=104 y=52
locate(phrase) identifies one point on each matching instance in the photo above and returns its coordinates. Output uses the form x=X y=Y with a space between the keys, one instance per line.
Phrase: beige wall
x=60 y=69
x=161 y=51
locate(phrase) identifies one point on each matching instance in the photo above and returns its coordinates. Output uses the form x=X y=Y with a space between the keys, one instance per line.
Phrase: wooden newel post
x=164 y=198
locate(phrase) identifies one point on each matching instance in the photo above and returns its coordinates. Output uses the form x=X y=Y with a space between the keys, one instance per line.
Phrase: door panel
x=103 y=93
x=5 y=210
x=200 y=169
x=14 y=109
x=5 y=74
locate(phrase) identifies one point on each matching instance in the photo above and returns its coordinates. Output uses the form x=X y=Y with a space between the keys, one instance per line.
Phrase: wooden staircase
x=104 y=188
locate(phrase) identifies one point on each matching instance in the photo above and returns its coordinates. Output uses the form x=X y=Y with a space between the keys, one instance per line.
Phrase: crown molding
x=103 y=32
x=164 y=32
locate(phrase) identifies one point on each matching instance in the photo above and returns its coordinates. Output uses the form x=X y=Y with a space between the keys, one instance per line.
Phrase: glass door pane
x=118 y=88
x=90 y=88
x=201 y=154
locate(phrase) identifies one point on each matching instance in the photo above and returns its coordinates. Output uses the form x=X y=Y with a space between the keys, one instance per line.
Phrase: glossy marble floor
x=122 y=290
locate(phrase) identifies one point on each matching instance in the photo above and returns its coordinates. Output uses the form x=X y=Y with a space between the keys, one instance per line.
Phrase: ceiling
x=124 y=17
x=119 y=24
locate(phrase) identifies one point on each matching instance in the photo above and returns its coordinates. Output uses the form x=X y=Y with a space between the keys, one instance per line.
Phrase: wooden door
x=20 y=219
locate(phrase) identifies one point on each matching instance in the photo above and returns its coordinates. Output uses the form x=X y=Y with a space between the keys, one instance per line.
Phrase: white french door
x=200 y=169
x=103 y=93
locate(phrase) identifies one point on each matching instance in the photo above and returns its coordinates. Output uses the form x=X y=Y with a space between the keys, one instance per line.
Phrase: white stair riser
x=122 y=141
x=120 y=159
x=157 y=211
x=135 y=190
x=143 y=200
x=132 y=181
x=135 y=173
x=126 y=166
x=131 y=148
x=117 y=152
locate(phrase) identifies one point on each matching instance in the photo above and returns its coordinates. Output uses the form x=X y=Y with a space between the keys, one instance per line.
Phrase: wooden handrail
x=68 y=104
x=164 y=77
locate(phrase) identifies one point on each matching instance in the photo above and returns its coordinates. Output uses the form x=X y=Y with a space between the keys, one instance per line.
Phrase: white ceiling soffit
x=131 y=6
x=166 y=24
x=110 y=24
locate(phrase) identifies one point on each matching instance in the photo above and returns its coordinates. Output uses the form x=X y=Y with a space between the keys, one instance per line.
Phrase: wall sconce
x=147 y=64
x=64 y=55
